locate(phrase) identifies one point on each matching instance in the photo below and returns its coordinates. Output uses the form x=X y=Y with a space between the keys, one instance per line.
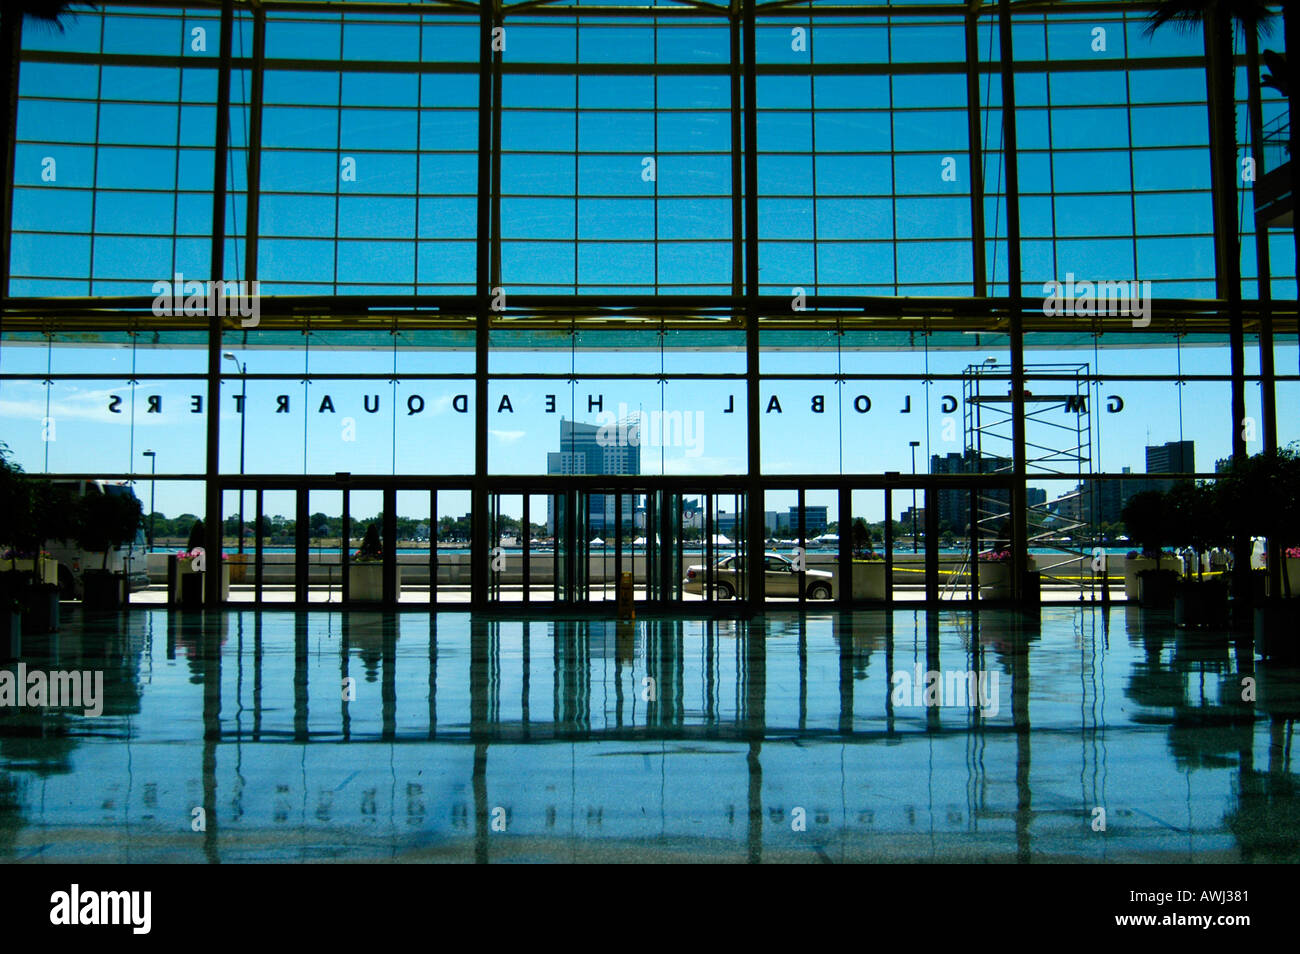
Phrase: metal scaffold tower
x=1058 y=443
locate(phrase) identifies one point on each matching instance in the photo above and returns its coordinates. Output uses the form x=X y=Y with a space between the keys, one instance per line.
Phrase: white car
x=73 y=561
x=779 y=575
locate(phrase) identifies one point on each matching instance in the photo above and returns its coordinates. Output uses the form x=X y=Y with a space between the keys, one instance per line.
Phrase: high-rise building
x=1111 y=496
x=954 y=504
x=1174 y=457
x=815 y=521
x=591 y=449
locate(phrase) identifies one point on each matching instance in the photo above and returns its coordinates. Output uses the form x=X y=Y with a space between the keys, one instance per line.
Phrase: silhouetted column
x=300 y=676
x=257 y=676
x=210 y=659
x=933 y=720
x=388 y=687
x=754 y=839
x=480 y=804
x=212 y=524
x=755 y=689
x=803 y=672
x=1020 y=722
x=345 y=663
x=433 y=670
x=526 y=663
x=844 y=625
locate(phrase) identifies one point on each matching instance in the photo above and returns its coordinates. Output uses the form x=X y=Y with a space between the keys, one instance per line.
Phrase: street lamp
x=914 y=445
x=153 y=473
x=243 y=416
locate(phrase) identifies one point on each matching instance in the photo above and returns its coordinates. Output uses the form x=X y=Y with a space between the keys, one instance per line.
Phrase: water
x=653 y=740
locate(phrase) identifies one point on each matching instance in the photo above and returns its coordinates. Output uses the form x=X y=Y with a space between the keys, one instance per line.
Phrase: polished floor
x=1089 y=734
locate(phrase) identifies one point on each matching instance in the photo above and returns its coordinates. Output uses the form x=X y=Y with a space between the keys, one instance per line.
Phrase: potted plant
x=1261 y=495
x=102 y=523
x=15 y=504
x=1150 y=577
x=48 y=517
x=185 y=571
x=1290 y=573
x=995 y=572
x=1198 y=521
x=366 y=569
x=868 y=575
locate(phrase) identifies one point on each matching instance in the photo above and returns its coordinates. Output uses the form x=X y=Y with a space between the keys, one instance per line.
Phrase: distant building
x=693 y=518
x=787 y=524
x=590 y=449
x=954 y=504
x=1109 y=497
x=1096 y=500
x=1175 y=457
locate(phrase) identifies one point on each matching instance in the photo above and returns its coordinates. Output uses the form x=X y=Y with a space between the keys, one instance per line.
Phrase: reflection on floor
x=1092 y=734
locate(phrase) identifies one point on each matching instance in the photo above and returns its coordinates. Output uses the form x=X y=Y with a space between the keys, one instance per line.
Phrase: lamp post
x=243 y=416
x=914 y=445
x=153 y=473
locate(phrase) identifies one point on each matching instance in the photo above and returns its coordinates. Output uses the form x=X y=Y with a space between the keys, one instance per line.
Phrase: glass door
x=571 y=528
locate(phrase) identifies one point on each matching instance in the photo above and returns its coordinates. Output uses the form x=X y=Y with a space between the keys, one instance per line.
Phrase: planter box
x=1135 y=565
x=1033 y=589
x=1292 y=576
x=1277 y=630
x=11 y=635
x=1200 y=603
x=185 y=584
x=240 y=567
x=102 y=590
x=36 y=588
x=366 y=582
x=868 y=580
x=1156 y=588
x=995 y=579
x=43 y=615
x=47 y=573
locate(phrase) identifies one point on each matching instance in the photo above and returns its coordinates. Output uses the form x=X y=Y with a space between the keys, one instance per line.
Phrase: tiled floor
x=1094 y=734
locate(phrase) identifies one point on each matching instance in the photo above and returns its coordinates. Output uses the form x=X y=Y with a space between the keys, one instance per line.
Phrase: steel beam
x=212 y=487
x=485 y=241
x=1019 y=522
x=756 y=536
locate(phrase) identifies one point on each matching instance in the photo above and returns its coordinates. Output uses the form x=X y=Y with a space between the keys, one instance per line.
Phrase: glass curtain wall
x=741 y=305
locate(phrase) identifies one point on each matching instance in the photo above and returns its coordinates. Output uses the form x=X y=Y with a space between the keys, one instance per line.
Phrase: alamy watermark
x=628 y=428
x=960 y=688
x=59 y=689
x=179 y=297
x=98 y=908
x=1130 y=299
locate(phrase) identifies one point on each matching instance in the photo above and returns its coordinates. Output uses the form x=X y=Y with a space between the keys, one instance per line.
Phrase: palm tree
x=1219 y=18
x=1281 y=76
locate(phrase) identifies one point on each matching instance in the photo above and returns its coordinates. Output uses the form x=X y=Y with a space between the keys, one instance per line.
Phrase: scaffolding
x=1058 y=443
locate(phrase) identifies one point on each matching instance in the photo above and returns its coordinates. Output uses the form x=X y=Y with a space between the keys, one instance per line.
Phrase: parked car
x=73 y=561
x=780 y=578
